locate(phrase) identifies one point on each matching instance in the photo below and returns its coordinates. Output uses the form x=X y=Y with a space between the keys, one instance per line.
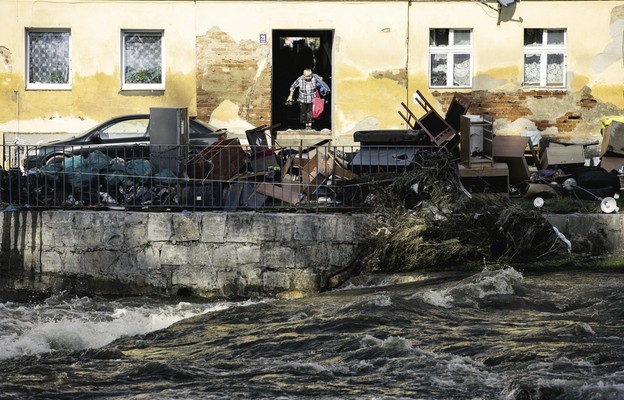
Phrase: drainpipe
x=407 y=57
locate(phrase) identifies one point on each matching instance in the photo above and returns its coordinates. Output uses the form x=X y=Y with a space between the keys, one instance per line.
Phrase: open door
x=293 y=51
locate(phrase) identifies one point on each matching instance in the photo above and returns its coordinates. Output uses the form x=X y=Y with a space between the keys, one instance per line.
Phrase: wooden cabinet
x=476 y=136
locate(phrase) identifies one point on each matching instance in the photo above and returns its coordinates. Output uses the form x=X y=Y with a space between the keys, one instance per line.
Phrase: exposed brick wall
x=228 y=70
x=513 y=105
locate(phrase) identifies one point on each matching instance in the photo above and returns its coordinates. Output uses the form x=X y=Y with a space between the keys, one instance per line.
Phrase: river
x=487 y=335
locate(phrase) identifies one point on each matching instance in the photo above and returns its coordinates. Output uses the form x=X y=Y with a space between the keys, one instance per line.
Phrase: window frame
x=48 y=85
x=543 y=51
x=451 y=50
x=142 y=86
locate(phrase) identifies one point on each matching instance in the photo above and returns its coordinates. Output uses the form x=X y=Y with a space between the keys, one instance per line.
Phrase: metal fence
x=223 y=176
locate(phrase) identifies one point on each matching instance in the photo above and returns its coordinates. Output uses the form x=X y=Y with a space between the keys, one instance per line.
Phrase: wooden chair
x=441 y=131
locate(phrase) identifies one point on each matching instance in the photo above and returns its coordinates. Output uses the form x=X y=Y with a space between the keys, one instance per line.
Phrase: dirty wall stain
x=91 y=99
x=6 y=64
x=504 y=78
x=614 y=50
x=361 y=95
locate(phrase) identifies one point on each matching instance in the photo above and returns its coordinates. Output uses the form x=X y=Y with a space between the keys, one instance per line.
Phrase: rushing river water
x=491 y=335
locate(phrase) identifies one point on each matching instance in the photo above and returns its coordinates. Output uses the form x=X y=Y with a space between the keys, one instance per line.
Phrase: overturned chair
x=443 y=132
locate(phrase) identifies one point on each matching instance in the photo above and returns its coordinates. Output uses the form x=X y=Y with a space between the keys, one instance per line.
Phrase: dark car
x=126 y=136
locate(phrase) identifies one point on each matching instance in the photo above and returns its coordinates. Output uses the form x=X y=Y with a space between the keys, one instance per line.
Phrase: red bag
x=318 y=105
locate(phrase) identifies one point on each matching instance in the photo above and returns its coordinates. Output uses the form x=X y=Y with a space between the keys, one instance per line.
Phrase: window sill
x=48 y=87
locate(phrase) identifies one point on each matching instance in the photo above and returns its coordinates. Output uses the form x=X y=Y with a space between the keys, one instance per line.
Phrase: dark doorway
x=293 y=51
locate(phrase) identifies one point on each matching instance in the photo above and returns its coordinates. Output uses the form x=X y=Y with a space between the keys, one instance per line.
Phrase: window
x=131 y=128
x=450 y=57
x=544 y=57
x=142 y=59
x=48 y=59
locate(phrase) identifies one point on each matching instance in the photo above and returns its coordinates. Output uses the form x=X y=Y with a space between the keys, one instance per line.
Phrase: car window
x=199 y=126
x=126 y=129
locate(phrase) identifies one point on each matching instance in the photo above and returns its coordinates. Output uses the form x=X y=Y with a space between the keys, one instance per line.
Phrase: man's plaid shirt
x=306 y=89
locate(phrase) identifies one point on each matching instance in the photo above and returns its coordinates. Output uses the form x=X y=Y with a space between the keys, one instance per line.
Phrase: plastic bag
x=318 y=105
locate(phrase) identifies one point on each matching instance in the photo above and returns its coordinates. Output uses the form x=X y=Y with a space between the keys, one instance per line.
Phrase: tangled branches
x=426 y=219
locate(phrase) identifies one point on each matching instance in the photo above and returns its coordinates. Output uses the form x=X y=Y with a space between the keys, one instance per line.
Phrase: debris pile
x=426 y=219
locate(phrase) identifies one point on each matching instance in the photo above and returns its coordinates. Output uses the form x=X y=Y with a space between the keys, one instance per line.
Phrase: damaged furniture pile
x=273 y=175
x=224 y=175
x=228 y=175
x=491 y=165
x=567 y=170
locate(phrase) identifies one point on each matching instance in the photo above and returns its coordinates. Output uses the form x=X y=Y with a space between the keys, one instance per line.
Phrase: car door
x=126 y=138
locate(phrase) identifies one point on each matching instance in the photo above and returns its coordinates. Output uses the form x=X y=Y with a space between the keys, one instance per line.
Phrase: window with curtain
x=545 y=58
x=450 y=57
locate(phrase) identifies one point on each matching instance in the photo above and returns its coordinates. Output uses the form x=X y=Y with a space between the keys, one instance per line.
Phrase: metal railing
x=223 y=176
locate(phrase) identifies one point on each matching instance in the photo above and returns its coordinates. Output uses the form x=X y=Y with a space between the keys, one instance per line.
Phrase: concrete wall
x=206 y=254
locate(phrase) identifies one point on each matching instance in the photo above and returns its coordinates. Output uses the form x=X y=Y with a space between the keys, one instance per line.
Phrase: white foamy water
x=82 y=323
x=470 y=290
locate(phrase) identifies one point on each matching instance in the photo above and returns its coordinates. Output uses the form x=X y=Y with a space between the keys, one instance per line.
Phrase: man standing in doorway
x=307 y=87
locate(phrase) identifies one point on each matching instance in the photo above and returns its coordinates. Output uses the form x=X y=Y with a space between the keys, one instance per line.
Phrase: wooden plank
x=510 y=146
x=497 y=169
x=289 y=193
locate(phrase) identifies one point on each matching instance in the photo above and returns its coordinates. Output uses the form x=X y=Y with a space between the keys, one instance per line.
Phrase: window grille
x=48 y=61
x=142 y=58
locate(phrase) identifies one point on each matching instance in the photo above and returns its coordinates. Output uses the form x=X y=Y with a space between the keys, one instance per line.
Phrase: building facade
x=556 y=67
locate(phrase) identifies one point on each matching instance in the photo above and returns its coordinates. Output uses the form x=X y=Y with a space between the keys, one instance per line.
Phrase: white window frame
x=142 y=86
x=543 y=50
x=451 y=50
x=48 y=85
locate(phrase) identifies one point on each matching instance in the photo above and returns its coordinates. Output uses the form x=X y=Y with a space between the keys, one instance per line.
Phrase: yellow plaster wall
x=372 y=56
x=96 y=93
x=369 y=54
x=594 y=33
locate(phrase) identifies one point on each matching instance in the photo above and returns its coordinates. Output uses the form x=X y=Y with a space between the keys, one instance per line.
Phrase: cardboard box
x=612 y=163
x=613 y=139
x=559 y=154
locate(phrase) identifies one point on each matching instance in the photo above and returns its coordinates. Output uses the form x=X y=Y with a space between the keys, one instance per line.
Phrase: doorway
x=293 y=51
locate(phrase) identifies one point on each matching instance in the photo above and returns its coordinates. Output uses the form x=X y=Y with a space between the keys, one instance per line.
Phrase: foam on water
x=471 y=290
x=78 y=324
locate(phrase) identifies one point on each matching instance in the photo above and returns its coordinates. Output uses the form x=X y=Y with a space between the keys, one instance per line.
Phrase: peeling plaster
x=6 y=64
x=614 y=50
x=550 y=108
x=74 y=111
x=233 y=72
x=398 y=75
x=226 y=115
x=587 y=130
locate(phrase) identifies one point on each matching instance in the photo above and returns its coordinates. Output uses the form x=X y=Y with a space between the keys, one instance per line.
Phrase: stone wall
x=211 y=254
x=592 y=234
x=205 y=254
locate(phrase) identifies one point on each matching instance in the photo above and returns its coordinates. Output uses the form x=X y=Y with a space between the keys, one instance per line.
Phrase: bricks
x=514 y=105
